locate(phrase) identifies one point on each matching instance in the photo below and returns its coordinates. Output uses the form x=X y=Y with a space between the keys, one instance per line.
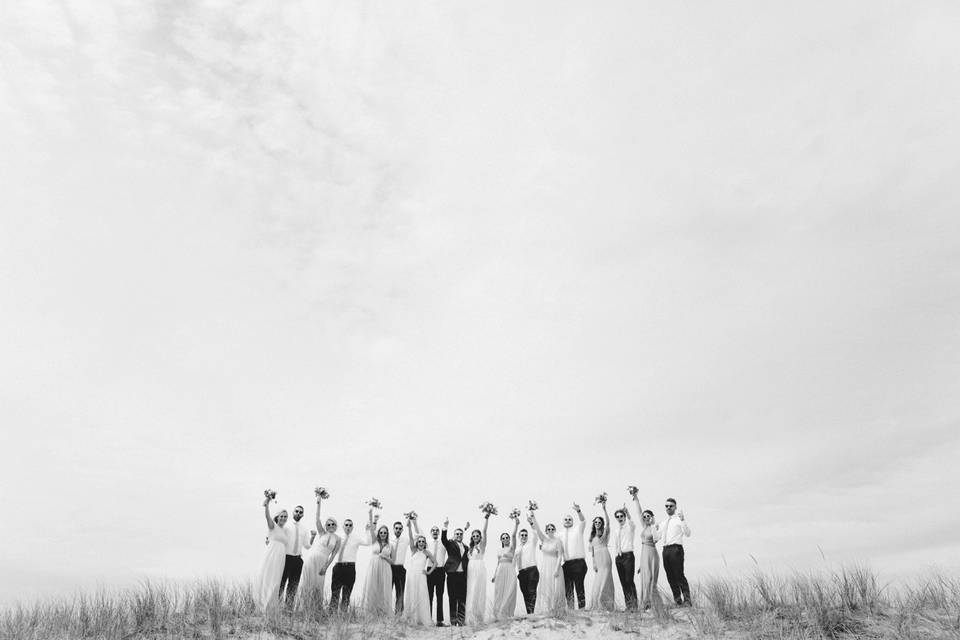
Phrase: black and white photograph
x=436 y=320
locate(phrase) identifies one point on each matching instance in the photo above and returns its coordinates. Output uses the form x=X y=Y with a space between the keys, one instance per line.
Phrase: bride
x=317 y=561
x=271 y=570
x=477 y=575
x=551 y=598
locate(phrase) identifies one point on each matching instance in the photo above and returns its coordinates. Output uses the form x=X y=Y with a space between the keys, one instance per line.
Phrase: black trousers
x=341 y=584
x=673 y=567
x=457 y=596
x=574 y=571
x=625 y=567
x=435 y=582
x=529 y=579
x=292 y=567
x=399 y=575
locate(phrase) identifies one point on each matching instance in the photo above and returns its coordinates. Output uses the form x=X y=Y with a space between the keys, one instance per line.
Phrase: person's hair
x=276 y=518
x=671 y=500
x=416 y=543
x=384 y=528
x=524 y=531
x=299 y=506
x=594 y=532
x=620 y=511
x=398 y=523
x=550 y=524
x=458 y=529
x=504 y=534
x=331 y=521
x=346 y=521
x=646 y=512
x=472 y=543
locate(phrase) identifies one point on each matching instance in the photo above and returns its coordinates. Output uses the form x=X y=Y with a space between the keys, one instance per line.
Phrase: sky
x=448 y=252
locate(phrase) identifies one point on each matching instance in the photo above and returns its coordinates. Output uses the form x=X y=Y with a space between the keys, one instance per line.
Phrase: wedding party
x=538 y=568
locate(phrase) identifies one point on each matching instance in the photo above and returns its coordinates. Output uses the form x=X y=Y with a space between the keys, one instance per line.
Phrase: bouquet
x=633 y=490
x=410 y=515
x=601 y=499
x=515 y=514
x=488 y=508
x=322 y=493
x=375 y=503
x=270 y=493
x=533 y=506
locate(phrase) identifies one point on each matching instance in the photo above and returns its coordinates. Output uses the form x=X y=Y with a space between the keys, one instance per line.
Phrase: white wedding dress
x=311 y=592
x=476 y=587
x=267 y=589
x=416 y=599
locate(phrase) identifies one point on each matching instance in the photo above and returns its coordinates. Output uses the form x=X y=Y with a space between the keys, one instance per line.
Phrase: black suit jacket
x=454 y=557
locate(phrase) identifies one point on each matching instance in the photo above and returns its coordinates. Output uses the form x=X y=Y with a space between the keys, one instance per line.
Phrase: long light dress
x=551 y=597
x=649 y=569
x=476 y=587
x=271 y=569
x=416 y=598
x=376 y=588
x=311 y=592
x=505 y=585
x=602 y=596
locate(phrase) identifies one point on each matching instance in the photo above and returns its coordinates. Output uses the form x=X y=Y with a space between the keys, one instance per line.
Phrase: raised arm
x=513 y=536
x=413 y=547
x=370 y=521
x=683 y=523
x=532 y=519
x=583 y=521
x=319 y=524
x=636 y=500
x=606 y=525
x=266 y=513
x=483 y=534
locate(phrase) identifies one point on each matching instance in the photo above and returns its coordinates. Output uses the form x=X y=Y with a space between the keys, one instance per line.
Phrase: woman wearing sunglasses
x=317 y=561
x=551 y=597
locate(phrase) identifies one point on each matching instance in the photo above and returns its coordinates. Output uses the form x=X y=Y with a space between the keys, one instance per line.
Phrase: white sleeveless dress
x=271 y=569
x=416 y=599
x=551 y=597
x=476 y=587
x=311 y=592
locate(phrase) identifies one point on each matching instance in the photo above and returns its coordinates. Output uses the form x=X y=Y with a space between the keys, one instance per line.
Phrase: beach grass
x=850 y=602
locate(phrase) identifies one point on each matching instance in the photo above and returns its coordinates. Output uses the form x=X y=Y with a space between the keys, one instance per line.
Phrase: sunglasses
x=669 y=506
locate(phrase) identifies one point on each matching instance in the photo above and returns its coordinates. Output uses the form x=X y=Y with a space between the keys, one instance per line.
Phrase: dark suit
x=456 y=580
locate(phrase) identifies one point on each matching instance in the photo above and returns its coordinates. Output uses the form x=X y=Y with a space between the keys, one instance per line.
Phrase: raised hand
x=576 y=507
x=446 y=522
x=680 y=515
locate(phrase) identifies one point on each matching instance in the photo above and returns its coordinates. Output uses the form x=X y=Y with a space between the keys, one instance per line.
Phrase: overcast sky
x=444 y=253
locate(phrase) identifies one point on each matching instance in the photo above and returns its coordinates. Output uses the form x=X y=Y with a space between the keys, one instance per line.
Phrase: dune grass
x=847 y=603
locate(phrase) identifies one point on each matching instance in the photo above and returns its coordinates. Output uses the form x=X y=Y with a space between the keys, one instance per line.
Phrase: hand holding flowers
x=321 y=493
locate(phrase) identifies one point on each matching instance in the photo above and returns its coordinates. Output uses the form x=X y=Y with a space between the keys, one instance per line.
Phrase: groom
x=575 y=565
x=456 y=570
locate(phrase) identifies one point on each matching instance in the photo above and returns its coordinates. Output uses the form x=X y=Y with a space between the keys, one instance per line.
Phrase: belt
x=666 y=546
x=347 y=563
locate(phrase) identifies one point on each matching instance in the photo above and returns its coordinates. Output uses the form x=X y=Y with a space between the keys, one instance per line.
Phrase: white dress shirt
x=625 y=535
x=672 y=530
x=298 y=536
x=351 y=543
x=573 y=541
x=527 y=555
x=438 y=550
x=400 y=547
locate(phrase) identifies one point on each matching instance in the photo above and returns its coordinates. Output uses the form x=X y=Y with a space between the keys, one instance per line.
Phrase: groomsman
x=527 y=573
x=624 y=559
x=575 y=565
x=345 y=570
x=398 y=571
x=436 y=578
x=672 y=530
x=298 y=539
x=456 y=569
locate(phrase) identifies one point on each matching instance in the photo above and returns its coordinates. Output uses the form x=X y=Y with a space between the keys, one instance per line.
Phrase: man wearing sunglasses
x=298 y=538
x=672 y=531
x=527 y=572
x=625 y=560
x=575 y=566
x=345 y=571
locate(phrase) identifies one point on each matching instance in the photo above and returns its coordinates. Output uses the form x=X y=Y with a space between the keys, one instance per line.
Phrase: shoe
x=440 y=624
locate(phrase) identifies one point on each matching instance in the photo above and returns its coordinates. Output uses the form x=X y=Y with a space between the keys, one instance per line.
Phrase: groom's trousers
x=574 y=572
x=625 y=566
x=435 y=582
x=341 y=584
x=398 y=574
x=673 y=567
x=529 y=578
x=292 y=568
x=457 y=595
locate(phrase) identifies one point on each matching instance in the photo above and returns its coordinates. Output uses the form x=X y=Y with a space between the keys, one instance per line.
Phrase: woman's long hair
x=594 y=532
x=472 y=543
x=383 y=527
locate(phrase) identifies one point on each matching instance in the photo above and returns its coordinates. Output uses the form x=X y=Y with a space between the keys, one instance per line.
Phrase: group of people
x=547 y=570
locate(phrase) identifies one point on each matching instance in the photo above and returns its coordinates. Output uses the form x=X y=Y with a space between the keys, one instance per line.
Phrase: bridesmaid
x=319 y=558
x=416 y=596
x=649 y=563
x=477 y=575
x=505 y=577
x=551 y=597
x=602 y=562
x=271 y=569
x=376 y=588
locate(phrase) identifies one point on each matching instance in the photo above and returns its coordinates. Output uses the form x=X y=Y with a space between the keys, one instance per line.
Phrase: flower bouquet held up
x=270 y=494
x=515 y=514
x=322 y=493
x=633 y=490
x=374 y=503
x=488 y=509
x=532 y=505
x=410 y=515
x=601 y=499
